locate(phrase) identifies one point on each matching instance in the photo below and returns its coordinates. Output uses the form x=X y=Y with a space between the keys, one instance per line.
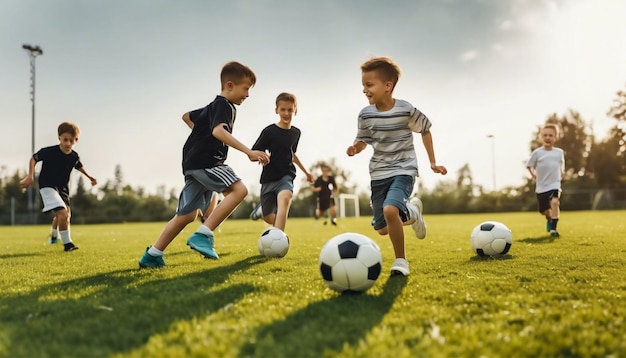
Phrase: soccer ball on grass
x=273 y=243
x=350 y=262
x=491 y=238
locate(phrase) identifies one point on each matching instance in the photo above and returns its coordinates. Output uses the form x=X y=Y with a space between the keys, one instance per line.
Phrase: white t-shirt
x=548 y=165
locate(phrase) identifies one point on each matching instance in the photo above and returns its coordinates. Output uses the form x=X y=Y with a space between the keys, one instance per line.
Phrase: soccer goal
x=342 y=204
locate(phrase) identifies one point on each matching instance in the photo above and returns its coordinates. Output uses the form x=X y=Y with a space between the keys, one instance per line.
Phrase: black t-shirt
x=202 y=149
x=281 y=145
x=56 y=166
x=327 y=186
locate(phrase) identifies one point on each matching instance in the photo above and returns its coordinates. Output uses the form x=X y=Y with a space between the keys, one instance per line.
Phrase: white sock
x=153 y=251
x=65 y=236
x=204 y=231
x=54 y=232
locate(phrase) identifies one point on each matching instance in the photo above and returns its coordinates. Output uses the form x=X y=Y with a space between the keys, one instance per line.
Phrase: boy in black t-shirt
x=204 y=156
x=280 y=140
x=54 y=178
x=326 y=188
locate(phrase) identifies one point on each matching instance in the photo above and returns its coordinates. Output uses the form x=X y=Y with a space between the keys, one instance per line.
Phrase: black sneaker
x=554 y=233
x=70 y=246
x=334 y=222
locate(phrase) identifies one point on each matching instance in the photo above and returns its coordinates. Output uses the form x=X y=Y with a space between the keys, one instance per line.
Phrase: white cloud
x=470 y=55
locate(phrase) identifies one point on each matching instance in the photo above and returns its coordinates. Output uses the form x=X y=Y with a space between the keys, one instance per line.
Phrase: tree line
x=594 y=167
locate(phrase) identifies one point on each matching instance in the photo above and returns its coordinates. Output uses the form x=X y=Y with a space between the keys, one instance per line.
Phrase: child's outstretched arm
x=427 y=139
x=28 y=180
x=225 y=137
x=309 y=177
x=91 y=179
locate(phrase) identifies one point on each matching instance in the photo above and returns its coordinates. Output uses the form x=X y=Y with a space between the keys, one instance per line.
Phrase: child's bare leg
x=172 y=229
x=283 y=202
x=333 y=212
x=270 y=219
x=232 y=198
x=555 y=210
x=395 y=230
x=63 y=219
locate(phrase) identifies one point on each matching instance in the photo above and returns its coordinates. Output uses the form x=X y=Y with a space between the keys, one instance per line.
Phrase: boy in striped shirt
x=387 y=124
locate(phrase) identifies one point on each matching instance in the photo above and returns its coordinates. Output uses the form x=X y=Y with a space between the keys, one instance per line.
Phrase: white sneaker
x=256 y=213
x=419 y=226
x=400 y=267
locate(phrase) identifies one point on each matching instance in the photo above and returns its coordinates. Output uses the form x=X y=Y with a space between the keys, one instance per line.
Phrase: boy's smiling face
x=374 y=88
x=548 y=136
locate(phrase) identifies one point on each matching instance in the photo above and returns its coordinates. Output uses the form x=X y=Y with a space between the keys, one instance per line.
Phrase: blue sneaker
x=53 y=240
x=203 y=244
x=149 y=261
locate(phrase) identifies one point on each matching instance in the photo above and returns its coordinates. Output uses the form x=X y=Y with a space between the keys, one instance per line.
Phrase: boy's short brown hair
x=287 y=97
x=384 y=67
x=235 y=72
x=70 y=128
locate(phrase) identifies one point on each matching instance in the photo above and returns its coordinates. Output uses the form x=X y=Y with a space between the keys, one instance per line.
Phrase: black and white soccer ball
x=491 y=238
x=350 y=262
x=273 y=243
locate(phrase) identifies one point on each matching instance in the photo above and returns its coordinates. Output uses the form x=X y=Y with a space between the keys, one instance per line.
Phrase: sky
x=126 y=71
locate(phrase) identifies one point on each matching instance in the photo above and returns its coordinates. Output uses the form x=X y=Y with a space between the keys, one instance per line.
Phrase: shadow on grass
x=112 y=312
x=326 y=325
x=12 y=256
x=489 y=258
x=538 y=240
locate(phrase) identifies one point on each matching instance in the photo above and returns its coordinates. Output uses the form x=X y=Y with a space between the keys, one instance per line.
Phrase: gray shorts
x=200 y=185
x=269 y=192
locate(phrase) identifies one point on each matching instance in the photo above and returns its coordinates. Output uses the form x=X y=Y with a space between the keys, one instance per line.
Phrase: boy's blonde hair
x=70 y=128
x=236 y=72
x=385 y=67
x=553 y=126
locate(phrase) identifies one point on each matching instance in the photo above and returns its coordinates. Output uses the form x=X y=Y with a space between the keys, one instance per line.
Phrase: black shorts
x=324 y=204
x=544 y=199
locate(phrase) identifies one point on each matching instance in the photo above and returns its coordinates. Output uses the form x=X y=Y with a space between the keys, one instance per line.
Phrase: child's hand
x=259 y=156
x=26 y=182
x=440 y=169
x=351 y=151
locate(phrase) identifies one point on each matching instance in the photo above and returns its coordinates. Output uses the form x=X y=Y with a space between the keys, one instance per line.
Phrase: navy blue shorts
x=394 y=191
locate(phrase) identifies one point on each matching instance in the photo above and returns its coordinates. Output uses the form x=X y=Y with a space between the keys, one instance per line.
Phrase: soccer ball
x=350 y=262
x=491 y=238
x=273 y=243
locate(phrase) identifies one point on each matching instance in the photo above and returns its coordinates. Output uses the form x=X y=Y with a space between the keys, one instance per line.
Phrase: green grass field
x=549 y=297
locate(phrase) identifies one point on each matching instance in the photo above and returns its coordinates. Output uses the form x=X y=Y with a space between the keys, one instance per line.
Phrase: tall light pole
x=33 y=52
x=493 y=159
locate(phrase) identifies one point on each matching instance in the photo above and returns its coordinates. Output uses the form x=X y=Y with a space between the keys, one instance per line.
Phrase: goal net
x=353 y=205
